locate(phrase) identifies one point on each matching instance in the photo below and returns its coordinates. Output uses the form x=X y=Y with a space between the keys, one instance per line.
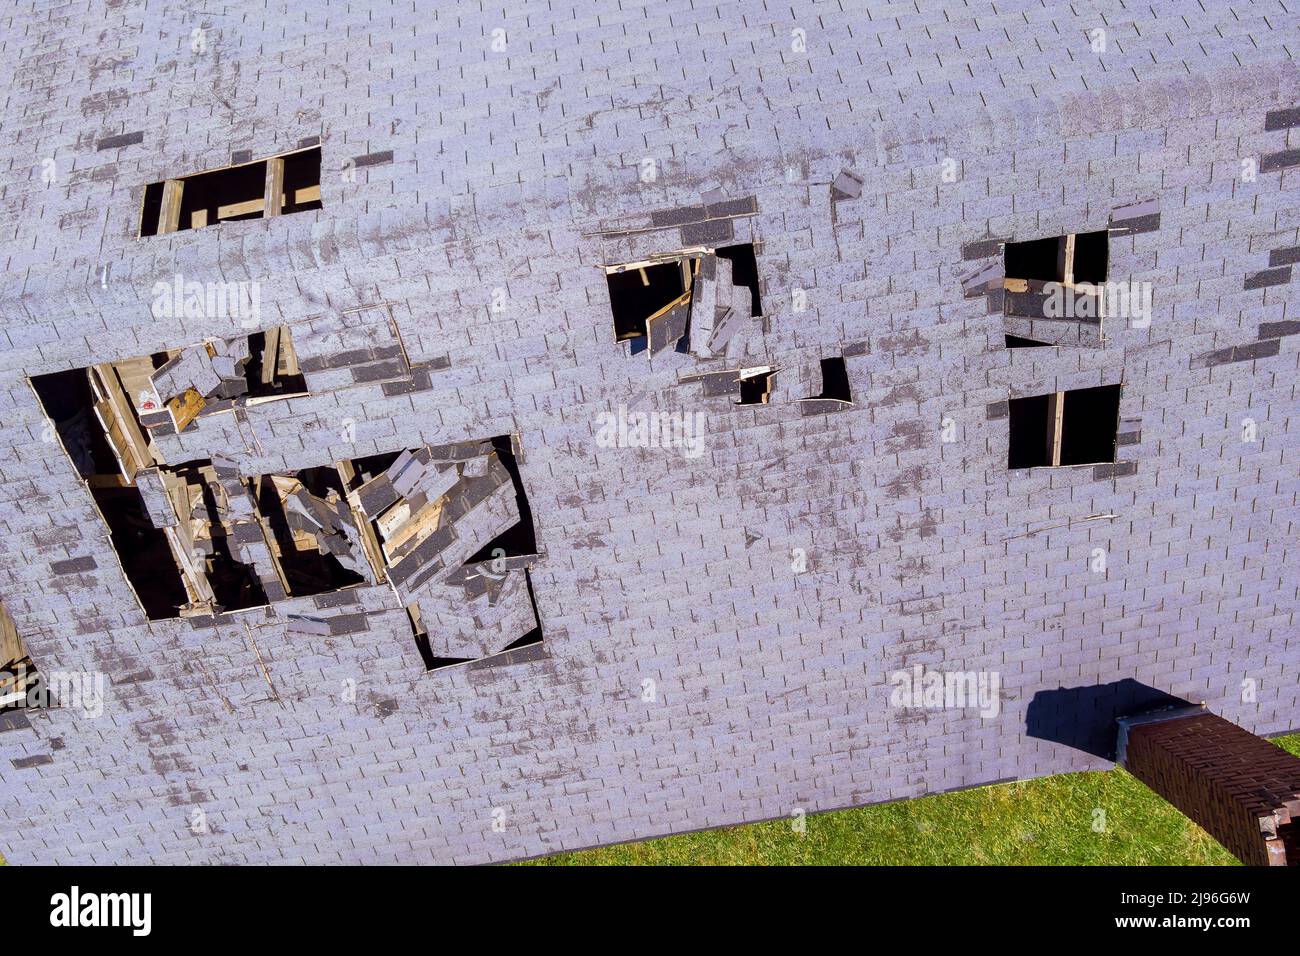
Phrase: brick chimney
x=1243 y=790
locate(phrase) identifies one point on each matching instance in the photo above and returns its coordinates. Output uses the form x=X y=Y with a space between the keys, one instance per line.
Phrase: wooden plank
x=664 y=315
x=231 y=210
x=365 y=530
x=193 y=574
x=1067 y=260
x=263 y=399
x=14 y=685
x=273 y=197
x=417 y=625
x=284 y=485
x=198 y=218
x=306 y=194
x=120 y=397
x=136 y=378
x=409 y=535
x=660 y=259
x=369 y=543
x=397 y=336
x=126 y=460
x=389 y=521
x=1055 y=418
x=186 y=407
x=178 y=493
x=169 y=216
x=11 y=645
x=347 y=472
x=288 y=360
x=182 y=496
x=268 y=534
x=270 y=354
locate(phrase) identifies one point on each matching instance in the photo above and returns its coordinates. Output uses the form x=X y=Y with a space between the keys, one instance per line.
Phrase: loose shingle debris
x=724 y=307
x=321 y=526
x=217 y=376
x=448 y=527
x=427 y=537
x=445 y=521
x=221 y=523
x=847 y=185
x=1051 y=288
x=688 y=301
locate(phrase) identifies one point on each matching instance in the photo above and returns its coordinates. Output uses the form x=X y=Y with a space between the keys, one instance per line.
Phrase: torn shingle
x=847 y=185
x=302 y=624
x=1136 y=217
x=711 y=232
x=982 y=280
x=982 y=249
x=154 y=495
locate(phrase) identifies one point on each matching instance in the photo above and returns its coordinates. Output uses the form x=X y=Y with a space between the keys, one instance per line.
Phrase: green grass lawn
x=1046 y=821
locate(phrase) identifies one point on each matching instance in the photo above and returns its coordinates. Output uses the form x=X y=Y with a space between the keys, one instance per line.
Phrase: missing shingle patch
x=1076 y=427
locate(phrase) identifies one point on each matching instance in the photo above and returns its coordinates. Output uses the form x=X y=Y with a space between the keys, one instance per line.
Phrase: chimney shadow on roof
x=1084 y=717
